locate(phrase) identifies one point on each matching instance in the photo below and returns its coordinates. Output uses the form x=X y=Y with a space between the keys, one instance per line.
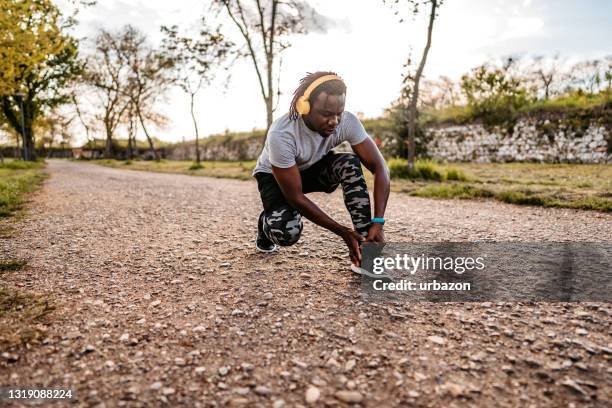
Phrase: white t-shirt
x=291 y=142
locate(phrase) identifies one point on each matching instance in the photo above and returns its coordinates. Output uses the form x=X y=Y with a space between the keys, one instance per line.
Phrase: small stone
x=278 y=404
x=571 y=384
x=223 y=371
x=241 y=390
x=237 y=312
x=225 y=264
x=581 y=332
x=312 y=395
x=262 y=390
x=268 y=296
x=156 y=385
x=349 y=396
x=437 y=340
x=168 y=391
x=124 y=337
x=413 y=394
x=350 y=365
x=179 y=361
x=141 y=321
x=155 y=303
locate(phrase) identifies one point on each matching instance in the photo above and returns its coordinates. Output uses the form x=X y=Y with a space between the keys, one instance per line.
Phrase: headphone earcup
x=302 y=106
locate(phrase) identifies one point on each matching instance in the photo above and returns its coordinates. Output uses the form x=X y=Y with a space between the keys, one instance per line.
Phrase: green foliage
x=11 y=265
x=38 y=59
x=16 y=179
x=423 y=170
x=493 y=94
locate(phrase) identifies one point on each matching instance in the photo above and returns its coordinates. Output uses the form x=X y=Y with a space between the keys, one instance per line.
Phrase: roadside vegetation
x=21 y=313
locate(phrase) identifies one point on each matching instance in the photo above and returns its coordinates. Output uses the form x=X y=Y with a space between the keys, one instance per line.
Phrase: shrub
x=424 y=170
x=196 y=166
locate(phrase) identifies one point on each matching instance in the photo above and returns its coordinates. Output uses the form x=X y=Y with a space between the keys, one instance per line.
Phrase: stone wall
x=530 y=139
x=219 y=149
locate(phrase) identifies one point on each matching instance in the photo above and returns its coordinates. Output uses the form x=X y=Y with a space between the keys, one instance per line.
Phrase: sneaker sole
x=360 y=271
x=266 y=251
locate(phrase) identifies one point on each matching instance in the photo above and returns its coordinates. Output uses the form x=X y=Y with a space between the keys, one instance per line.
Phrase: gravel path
x=163 y=301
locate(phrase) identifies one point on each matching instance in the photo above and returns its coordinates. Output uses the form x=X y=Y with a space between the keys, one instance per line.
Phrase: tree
x=107 y=73
x=587 y=75
x=412 y=82
x=495 y=93
x=264 y=27
x=195 y=60
x=149 y=77
x=547 y=72
x=37 y=61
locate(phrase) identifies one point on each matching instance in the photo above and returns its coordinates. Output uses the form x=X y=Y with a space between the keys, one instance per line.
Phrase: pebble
x=437 y=340
x=349 y=396
x=312 y=395
x=262 y=390
x=156 y=385
x=223 y=371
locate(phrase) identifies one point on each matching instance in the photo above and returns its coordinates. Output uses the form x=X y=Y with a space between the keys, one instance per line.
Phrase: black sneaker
x=263 y=243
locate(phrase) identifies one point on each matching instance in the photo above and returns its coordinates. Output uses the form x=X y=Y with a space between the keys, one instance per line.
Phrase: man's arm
x=371 y=158
x=290 y=183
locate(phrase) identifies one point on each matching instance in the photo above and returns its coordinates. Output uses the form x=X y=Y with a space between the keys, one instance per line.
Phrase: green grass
x=17 y=178
x=10 y=265
x=21 y=315
x=576 y=101
x=424 y=170
x=221 y=169
x=579 y=186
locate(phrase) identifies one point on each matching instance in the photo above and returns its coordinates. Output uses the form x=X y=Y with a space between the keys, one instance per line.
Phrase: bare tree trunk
x=412 y=109
x=197 y=134
x=108 y=148
x=144 y=128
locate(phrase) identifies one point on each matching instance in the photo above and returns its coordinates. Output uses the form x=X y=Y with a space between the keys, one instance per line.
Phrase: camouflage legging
x=283 y=224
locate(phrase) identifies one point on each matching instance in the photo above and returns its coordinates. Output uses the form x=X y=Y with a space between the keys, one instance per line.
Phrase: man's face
x=325 y=112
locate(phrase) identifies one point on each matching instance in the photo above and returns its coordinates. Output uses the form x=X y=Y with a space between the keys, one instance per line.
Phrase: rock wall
x=219 y=149
x=530 y=139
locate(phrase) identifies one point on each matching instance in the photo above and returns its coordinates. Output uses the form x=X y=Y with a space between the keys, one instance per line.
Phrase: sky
x=367 y=45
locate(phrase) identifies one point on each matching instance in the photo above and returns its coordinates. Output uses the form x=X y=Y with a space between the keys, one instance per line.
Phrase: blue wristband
x=379 y=220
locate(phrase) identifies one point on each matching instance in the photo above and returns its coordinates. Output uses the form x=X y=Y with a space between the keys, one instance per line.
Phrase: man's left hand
x=376 y=233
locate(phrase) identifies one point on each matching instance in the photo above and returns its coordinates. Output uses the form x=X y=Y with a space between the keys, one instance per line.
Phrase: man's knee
x=284 y=226
x=348 y=168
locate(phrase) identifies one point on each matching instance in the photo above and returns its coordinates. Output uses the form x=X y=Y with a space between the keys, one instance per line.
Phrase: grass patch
x=240 y=170
x=423 y=170
x=447 y=191
x=22 y=318
x=16 y=179
x=11 y=265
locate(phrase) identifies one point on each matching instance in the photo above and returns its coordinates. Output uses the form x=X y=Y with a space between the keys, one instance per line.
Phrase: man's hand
x=376 y=233
x=352 y=240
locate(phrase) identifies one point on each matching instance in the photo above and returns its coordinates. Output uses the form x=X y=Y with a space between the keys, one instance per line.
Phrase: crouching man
x=297 y=159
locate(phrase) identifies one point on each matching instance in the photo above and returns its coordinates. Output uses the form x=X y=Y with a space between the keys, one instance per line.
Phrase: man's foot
x=263 y=243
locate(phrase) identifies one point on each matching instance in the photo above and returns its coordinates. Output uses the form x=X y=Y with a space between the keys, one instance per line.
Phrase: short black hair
x=333 y=87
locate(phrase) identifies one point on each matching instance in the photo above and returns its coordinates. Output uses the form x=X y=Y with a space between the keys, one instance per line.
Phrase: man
x=297 y=158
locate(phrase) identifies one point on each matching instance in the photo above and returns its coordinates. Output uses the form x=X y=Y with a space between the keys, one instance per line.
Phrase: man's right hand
x=352 y=240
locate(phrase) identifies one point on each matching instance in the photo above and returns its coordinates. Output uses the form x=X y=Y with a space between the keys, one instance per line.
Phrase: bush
x=196 y=166
x=424 y=170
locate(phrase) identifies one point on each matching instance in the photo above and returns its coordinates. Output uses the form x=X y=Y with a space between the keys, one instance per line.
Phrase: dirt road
x=162 y=300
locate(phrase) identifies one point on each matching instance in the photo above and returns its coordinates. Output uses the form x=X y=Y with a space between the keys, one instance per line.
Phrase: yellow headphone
x=302 y=106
